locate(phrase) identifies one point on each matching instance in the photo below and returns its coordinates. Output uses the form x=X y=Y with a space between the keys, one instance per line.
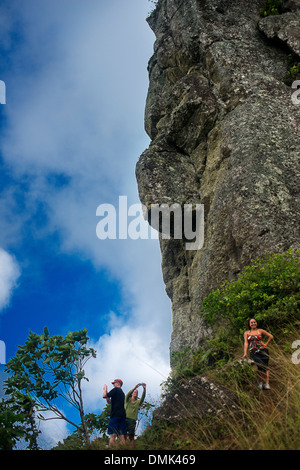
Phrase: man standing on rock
x=117 y=420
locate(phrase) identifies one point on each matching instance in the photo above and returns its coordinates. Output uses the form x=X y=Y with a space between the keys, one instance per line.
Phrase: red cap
x=118 y=380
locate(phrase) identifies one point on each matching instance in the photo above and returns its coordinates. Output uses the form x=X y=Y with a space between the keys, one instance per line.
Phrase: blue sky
x=71 y=132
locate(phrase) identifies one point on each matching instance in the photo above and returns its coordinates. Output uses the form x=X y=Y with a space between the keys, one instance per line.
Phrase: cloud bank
x=9 y=274
x=132 y=354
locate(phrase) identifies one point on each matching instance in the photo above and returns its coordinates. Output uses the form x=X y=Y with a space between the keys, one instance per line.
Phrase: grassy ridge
x=265 y=419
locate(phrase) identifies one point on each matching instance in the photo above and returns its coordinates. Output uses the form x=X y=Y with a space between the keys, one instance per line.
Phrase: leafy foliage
x=74 y=441
x=268 y=289
x=271 y=8
x=15 y=426
x=96 y=427
x=98 y=423
x=293 y=69
x=47 y=368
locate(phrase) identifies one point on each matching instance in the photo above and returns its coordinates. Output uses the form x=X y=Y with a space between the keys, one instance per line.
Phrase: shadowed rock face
x=226 y=134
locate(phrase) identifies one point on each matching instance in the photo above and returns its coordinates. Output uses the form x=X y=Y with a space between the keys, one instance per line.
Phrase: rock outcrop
x=203 y=396
x=224 y=133
x=197 y=398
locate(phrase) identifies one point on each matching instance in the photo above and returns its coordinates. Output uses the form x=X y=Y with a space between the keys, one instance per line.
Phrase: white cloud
x=9 y=274
x=132 y=354
x=81 y=103
x=51 y=431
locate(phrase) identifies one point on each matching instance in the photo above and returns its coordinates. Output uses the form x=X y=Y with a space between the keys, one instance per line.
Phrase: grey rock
x=291 y=5
x=226 y=134
x=201 y=397
x=196 y=398
x=285 y=27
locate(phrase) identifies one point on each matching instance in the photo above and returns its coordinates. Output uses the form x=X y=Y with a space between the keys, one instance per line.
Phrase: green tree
x=268 y=289
x=99 y=423
x=47 y=369
x=15 y=426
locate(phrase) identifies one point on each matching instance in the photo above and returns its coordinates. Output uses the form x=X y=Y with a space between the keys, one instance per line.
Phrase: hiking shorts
x=261 y=359
x=130 y=426
x=117 y=426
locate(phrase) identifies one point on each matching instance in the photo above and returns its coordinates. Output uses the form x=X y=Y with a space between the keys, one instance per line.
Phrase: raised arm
x=105 y=394
x=143 y=394
x=128 y=394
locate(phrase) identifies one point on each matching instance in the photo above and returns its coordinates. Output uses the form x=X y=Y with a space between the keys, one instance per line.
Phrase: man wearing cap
x=117 y=420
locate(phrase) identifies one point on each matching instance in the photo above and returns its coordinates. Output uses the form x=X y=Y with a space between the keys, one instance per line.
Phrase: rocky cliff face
x=224 y=133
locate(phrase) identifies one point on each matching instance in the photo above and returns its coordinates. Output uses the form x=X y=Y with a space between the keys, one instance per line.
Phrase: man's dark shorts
x=117 y=426
x=130 y=426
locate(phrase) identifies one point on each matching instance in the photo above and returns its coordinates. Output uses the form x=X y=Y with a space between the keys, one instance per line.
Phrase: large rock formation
x=224 y=133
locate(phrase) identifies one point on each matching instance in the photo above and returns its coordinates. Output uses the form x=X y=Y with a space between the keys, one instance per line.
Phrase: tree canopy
x=47 y=369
